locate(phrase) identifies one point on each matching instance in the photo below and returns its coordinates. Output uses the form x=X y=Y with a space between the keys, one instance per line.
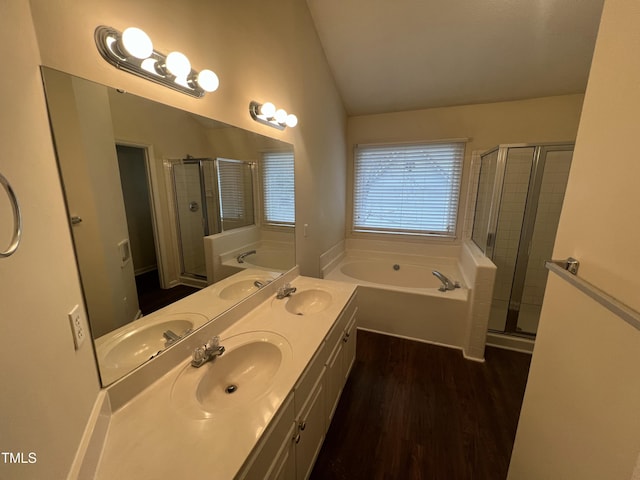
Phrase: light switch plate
x=77 y=326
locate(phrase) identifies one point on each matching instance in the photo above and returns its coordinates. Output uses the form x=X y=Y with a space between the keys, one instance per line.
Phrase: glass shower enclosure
x=210 y=196
x=519 y=198
x=195 y=192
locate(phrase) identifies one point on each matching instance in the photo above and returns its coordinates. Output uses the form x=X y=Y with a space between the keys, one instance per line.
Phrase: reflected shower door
x=191 y=215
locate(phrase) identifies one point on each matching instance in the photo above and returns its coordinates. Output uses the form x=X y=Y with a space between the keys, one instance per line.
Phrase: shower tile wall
x=187 y=184
x=514 y=196
x=554 y=184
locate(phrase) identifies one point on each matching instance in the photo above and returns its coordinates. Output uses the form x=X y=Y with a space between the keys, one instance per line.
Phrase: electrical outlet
x=77 y=326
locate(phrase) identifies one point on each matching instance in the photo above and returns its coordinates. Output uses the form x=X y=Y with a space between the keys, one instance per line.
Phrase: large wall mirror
x=164 y=205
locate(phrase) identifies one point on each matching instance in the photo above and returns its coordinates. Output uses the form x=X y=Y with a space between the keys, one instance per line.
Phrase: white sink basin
x=244 y=374
x=241 y=288
x=308 y=302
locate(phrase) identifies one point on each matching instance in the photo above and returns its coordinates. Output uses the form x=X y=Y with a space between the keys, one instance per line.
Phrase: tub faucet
x=240 y=258
x=285 y=291
x=446 y=283
x=209 y=351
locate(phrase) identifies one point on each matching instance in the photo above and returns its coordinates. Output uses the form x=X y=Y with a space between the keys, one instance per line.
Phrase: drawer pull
x=302 y=425
x=296 y=439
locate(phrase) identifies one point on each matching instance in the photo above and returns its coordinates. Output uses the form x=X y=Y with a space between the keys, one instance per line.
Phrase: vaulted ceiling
x=396 y=55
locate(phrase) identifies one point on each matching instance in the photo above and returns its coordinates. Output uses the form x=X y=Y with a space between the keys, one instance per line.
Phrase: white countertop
x=150 y=438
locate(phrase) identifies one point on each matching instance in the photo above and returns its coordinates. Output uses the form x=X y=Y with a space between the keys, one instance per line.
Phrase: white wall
x=580 y=417
x=261 y=51
x=48 y=388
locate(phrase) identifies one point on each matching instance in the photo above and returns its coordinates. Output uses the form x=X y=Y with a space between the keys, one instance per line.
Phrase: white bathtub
x=405 y=301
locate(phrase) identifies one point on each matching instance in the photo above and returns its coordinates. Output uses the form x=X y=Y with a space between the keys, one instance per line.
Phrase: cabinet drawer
x=336 y=332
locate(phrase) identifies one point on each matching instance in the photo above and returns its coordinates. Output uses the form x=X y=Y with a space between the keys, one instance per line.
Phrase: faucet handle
x=213 y=343
x=199 y=355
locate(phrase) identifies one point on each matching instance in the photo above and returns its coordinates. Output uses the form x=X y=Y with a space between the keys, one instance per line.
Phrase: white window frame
x=408 y=188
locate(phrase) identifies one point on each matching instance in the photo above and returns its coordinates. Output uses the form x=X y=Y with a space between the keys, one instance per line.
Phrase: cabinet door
x=284 y=465
x=333 y=381
x=274 y=452
x=349 y=347
x=311 y=429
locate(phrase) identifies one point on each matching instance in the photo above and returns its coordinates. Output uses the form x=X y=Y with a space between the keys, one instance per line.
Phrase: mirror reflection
x=164 y=205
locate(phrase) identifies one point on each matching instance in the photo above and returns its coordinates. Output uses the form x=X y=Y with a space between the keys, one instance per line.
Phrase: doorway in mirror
x=134 y=178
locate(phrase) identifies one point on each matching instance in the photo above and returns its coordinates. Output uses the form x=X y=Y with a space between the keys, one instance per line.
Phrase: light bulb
x=178 y=64
x=208 y=80
x=291 y=120
x=137 y=43
x=280 y=115
x=268 y=109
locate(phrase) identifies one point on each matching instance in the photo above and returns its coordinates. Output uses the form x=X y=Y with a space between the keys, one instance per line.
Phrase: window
x=235 y=189
x=407 y=188
x=277 y=188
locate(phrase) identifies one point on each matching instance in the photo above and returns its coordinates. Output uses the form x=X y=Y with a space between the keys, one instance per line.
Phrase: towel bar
x=564 y=270
x=17 y=219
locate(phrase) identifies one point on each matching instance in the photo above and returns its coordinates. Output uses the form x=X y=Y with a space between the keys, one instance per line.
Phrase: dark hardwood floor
x=412 y=410
x=151 y=297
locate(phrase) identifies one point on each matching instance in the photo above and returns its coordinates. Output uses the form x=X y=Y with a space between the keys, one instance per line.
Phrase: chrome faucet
x=260 y=284
x=240 y=258
x=207 y=352
x=285 y=291
x=170 y=337
x=446 y=283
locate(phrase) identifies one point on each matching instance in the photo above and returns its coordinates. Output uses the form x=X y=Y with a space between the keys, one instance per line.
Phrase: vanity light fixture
x=133 y=52
x=268 y=114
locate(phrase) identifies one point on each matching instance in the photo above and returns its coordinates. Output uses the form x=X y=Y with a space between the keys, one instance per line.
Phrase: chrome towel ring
x=17 y=219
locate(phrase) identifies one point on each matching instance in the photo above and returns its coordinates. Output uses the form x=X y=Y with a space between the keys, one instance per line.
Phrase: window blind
x=231 y=188
x=407 y=188
x=278 y=188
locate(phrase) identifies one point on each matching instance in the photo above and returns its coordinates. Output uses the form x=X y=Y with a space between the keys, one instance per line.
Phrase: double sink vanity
x=259 y=410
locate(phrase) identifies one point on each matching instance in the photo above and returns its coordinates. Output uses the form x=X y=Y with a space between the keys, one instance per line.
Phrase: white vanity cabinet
x=291 y=444
x=341 y=341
